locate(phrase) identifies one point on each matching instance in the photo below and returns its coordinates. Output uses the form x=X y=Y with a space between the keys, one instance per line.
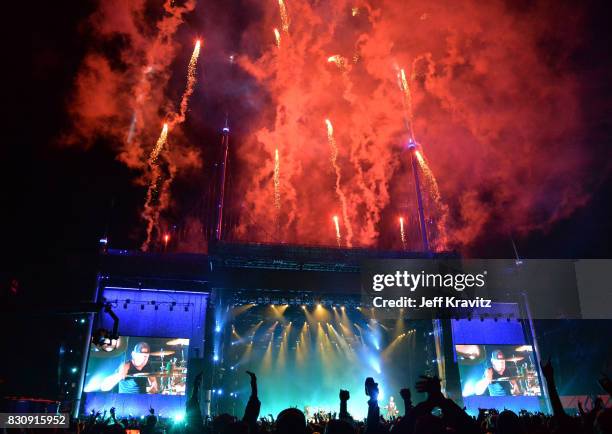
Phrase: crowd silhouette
x=435 y=415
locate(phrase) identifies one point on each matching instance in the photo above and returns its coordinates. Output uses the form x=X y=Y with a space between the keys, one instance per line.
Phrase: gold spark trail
x=151 y=213
x=339 y=192
x=430 y=179
x=337 y=226
x=434 y=192
x=277 y=198
x=191 y=80
x=407 y=101
x=284 y=15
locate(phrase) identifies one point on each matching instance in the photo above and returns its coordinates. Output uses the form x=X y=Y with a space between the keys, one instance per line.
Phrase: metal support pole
x=417 y=185
x=78 y=402
x=536 y=349
x=225 y=144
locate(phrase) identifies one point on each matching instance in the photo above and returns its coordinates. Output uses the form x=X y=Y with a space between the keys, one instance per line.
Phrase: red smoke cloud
x=498 y=122
x=120 y=93
x=497 y=119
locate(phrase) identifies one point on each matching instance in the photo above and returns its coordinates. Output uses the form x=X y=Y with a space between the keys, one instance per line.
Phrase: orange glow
x=402 y=233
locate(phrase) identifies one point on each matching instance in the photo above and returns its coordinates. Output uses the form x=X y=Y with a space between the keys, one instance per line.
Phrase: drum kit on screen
x=526 y=374
x=172 y=373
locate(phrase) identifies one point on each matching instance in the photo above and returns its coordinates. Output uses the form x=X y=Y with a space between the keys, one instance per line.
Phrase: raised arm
x=344 y=397
x=373 y=420
x=549 y=376
x=251 y=412
x=407 y=397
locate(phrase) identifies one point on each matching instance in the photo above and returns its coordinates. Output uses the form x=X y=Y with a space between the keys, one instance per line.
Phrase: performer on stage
x=126 y=375
x=493 y=381
x=392 y=411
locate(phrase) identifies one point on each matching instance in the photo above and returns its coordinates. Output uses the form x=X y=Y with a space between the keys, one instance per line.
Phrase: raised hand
x=371 y=388
x=253 y=377
x=406 y=394
x=429 y=385
x=547 y=370
x=344 y=395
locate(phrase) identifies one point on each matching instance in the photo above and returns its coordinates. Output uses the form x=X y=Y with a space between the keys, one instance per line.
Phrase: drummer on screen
x=126 y=376
x=495 y=380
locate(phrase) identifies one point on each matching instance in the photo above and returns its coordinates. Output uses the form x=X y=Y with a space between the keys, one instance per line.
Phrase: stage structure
x=295 y=316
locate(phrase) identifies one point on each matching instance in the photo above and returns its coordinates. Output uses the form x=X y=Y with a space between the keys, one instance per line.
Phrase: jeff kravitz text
x=435 y=302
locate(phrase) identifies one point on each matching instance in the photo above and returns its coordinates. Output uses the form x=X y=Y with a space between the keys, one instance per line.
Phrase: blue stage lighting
x=179 y=417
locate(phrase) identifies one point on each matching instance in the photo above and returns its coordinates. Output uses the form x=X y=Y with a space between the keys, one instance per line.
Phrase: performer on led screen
x=130 y=376
x=497 y=380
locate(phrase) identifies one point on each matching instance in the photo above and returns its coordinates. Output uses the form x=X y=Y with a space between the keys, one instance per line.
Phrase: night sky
x=62 y=199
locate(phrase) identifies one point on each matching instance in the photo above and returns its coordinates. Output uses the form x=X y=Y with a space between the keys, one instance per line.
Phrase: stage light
x=215 y=358
x=74 y=370
x=220 y=392
x=217 y=328
x=179 y=417
x=303 y=307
